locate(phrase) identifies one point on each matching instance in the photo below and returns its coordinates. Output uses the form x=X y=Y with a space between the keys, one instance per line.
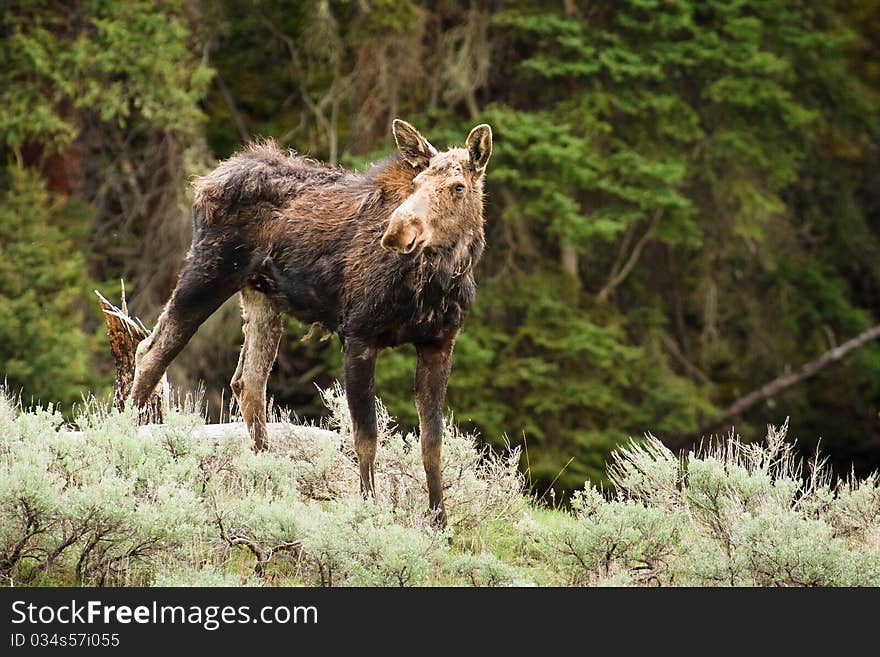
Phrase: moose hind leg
x=262 y=332
x=197 y=295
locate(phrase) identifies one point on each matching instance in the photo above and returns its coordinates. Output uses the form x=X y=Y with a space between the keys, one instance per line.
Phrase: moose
x=384 y=257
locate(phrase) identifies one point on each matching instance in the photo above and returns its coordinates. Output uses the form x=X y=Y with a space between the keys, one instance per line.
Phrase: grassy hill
x=110 y=503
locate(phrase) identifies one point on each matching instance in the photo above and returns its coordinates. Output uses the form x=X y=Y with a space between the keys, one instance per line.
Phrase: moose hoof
x=438 y=518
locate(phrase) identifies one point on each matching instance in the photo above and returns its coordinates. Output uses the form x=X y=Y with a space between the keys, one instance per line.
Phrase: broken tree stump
x=125 y=333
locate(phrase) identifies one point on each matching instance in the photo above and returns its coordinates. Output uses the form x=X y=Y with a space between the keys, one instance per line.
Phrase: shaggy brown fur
x=383 y=257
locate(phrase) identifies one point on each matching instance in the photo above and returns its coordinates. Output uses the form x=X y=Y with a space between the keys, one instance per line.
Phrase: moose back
x=384 y=257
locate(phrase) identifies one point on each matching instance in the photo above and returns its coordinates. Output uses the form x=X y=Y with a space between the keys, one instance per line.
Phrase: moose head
x=446 y=202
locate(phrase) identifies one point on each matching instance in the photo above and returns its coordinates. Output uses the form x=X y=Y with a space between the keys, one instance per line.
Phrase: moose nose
x=389 y=245
x=409 y=248
x=400 y=239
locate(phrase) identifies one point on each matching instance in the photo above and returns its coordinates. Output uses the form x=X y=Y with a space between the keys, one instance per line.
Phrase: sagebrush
x=111 y=503
x=116 y=504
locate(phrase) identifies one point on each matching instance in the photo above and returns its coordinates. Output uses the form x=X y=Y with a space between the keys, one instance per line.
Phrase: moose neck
x=393 y=176
x=447 y=267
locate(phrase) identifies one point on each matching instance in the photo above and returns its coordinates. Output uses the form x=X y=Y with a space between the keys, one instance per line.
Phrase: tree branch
x=806 y=371
x=617 y=278
x=317 y=109
x=237 y=118
x=692 y=369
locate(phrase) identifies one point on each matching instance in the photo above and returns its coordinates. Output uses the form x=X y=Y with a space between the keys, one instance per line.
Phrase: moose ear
x=414 y=148
x=479 y=146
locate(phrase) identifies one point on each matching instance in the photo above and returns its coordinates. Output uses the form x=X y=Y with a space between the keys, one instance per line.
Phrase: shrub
x=730 y=513
x=484 y=569
x=183 y=504
x=604 y=538
x=114 y=503
x=357 y=543
x=208 y=575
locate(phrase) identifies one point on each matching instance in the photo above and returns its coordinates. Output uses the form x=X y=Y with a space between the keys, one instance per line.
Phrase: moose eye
x=458 y=189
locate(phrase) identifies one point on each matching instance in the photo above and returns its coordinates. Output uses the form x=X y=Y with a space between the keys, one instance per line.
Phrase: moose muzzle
x=402 y=237
x=406 y=227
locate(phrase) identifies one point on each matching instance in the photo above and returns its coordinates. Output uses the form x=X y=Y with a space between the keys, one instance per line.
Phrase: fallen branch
x=777 y=385
x=806 y=371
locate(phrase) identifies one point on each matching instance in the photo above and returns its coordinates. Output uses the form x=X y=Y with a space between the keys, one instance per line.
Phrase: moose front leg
x=360 y=391
x=432 y=375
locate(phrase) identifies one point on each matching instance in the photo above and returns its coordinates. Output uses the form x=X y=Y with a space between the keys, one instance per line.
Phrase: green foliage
x=680 y=202
x=364 y=546
x=115 y=504
x=116 y=59
x=484 y=569
x=604 y=538
x=43 y=281
x=208 y=575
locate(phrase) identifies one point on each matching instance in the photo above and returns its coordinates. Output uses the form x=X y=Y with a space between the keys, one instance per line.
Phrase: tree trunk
x=124 y=334
x=568 y=259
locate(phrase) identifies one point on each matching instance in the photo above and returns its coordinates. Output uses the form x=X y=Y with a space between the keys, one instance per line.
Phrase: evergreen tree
x=43 y=350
